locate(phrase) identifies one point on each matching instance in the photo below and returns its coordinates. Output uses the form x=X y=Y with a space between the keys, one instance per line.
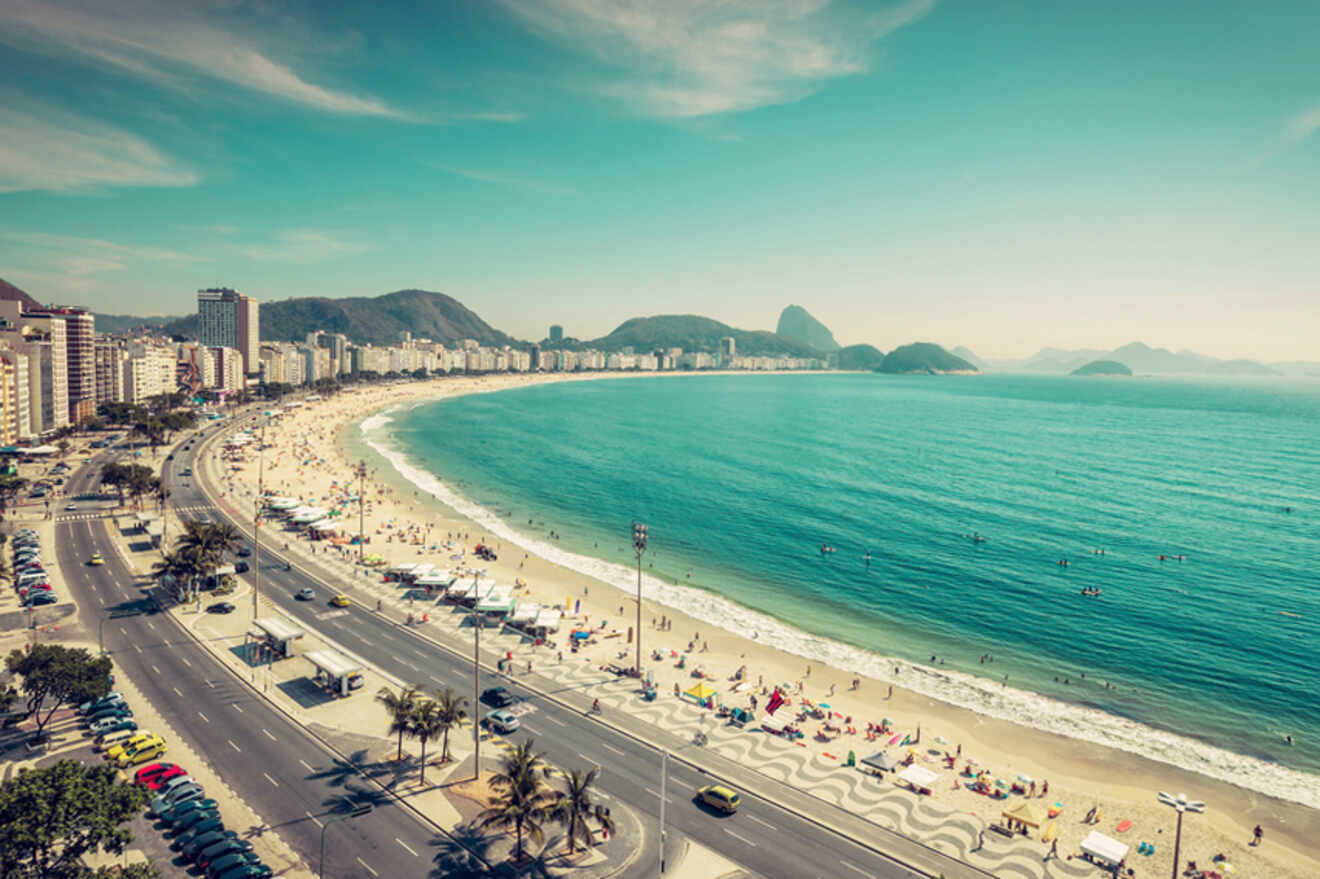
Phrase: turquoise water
x=741 y=479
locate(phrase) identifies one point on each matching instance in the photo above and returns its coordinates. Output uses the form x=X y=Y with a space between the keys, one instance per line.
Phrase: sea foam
x=981 y=695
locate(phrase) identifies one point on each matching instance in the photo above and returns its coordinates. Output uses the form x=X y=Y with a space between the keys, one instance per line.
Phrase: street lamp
x=639 y=544
x=1180 y=804
x=476 y=679
x=256 y=519
x=356 y=813
x=362 y=493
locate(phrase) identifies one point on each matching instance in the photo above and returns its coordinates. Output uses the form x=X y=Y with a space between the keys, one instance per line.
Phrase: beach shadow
x=305 y=692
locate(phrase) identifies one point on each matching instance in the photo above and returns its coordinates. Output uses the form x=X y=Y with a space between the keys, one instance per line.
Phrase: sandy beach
x=312 y=453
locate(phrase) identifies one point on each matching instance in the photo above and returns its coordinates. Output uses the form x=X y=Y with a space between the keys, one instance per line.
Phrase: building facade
x=228 y=319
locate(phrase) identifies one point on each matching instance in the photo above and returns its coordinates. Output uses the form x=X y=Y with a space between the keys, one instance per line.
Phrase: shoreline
x=1063 y=757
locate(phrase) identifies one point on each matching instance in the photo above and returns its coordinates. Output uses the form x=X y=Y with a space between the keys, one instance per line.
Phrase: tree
x=453 y=711
x=425 y=724
x=63 y=445
x=523 y=800
x=399 y=707
x=51 y=818
x=575 y=808
x=184 y=566
x=11 y=485
x=55 y=675
x=153 y=431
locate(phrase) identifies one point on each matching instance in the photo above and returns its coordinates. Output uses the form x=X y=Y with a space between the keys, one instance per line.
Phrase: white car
x=501 y=721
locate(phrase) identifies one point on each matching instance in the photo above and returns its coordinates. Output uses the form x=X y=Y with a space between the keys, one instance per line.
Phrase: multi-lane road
x=763 y=837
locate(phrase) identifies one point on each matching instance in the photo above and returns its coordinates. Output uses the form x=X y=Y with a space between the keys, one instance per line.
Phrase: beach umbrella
x=1001 y=784
x=941 y=740
x=1025 y=779
x=887 y=721
x=823 y=705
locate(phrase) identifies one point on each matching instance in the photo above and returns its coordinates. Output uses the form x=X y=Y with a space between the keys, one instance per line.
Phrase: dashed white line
x=742 y=838
x=588 y=759
x=236 y=707
x=156 y=670
x=315 y=820
x=531 y=729
x=852 y=866
x=137 y=648
x=268 y=735
x=235 y=747
x=656 y=793
x=176 y=692
x=271 y=780
x=553 y=720
x=368 y=866
x=610 y=747
x=406 y=847
x=762 y=823
x=151 y=625
x=203 y=717
x=185 y=662
x=306 y=765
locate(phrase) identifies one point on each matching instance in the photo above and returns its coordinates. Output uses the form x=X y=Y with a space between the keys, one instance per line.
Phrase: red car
x=153 y=775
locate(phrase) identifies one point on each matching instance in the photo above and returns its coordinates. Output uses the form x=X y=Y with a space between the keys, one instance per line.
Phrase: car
x=115 y=712
x=39 y=598
x=113 y=754
x=96 y=559
x=178 y=810
x=247 y=871
x=148 y=772
x=340 y=600
x=190 y=819
x=241 y=567
x=70 y=507
x=227 y=862
x=243 y=551
x=215 y=852
x=149 y=751
x=111 y=724
x=109 y=700
x=305 y=594
x=202 y=841
x=169 y=457
x=719 y=797
x=221 y=607
x=173 y=796
x=501 y=721
x=498 y=697
x=197 y=830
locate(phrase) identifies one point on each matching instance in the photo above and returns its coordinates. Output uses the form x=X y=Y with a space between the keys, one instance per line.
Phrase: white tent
x=436 y=578
x=419 y=571
x=498 y=600
x=547 y=620
x=476 y=591
x=526 y=612
x=283 y=504
x=310 y=516
x=918 y=776
x=1105 y=849
x=325 y=526
x=773 y=724
x=403 y=568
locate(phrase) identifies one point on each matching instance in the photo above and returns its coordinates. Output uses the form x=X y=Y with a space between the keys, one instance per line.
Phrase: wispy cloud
x=505 y=118
x=55 y=266
x=63 y=152
x=507 y=180
x=162 y=42
x=70 y=246
x=686 y=58
x=301 y=246
x=1303 y=125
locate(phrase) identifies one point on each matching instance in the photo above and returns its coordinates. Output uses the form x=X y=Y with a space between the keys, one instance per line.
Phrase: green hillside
x=694 y=333
x=1102 y=367
x=923 y=357
x=861 y=357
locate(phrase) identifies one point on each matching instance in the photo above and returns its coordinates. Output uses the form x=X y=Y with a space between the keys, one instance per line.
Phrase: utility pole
x=664 y=778
x=362 y=494
x=476 y=682
x=256 y=518
x=639 y=544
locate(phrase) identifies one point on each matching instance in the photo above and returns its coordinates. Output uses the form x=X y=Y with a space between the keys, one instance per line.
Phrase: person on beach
x=1257 y=835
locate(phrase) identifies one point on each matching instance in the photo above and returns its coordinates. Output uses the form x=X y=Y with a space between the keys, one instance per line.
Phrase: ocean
x=1205 y=659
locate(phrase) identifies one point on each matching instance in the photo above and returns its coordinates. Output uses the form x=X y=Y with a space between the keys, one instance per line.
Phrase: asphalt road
x=293 y=783
x=762 y=837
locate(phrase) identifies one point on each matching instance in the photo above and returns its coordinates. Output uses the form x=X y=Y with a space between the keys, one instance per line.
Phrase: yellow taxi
x=113 y=754
x=141 y=754
x=717 y=796
x=340 y=600
x=96 y=559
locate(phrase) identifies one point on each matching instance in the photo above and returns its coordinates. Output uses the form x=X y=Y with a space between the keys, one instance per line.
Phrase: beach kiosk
x=1104 y=850
x=919 y=778
x=277 y=634
x=475 y=592
x=879 y=762
x=437 y=580
x=546 y=622
x=335 y=671
x=702 y=695
x=1025 y=814
x=524 y=614
x=497 y=602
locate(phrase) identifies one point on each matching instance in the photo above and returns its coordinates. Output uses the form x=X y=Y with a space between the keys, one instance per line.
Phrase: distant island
x=1102 y=367
x=923 y=358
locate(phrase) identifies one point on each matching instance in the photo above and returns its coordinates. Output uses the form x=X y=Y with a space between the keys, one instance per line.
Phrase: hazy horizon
x=1003 y=178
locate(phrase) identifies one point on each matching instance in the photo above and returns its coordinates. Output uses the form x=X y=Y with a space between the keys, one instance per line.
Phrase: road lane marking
x=137 y=648
x=314 y=819
x=203 y=717
x=236 y=708
x=151 y=625
x=156 y=670
x=762 y=823
x=268 y=735
x=552 y=720
x=235 y=747
x=742 y=838
x=853 y=867
x=176 y=692
x=610 y=747
x=185 y=662
x=271 y=780
x=368 y=866
x=656 y=793
x=306 y=765
x=588 y=759
x=406 y=847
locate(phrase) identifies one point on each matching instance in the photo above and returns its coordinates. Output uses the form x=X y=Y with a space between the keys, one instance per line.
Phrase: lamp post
x=664 y=779
x=1179 y=804
x=356 y=813
x=362 y=493
x=639 y=544
x=256 y=519
x=476 y=680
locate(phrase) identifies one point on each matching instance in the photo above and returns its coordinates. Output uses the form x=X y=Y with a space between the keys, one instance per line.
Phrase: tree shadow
x=464 y=852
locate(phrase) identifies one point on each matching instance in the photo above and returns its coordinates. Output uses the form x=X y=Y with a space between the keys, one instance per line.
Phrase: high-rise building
x=556 y=333
x=728 y=350
x=79 y=358
x=228 y=319
x=110 y=356
x=41 y=336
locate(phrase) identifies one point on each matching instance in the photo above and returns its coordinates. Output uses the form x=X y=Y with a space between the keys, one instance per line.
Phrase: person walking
x=1257 y=835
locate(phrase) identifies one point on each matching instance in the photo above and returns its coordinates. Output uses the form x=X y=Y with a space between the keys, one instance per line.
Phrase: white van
x=109 y=740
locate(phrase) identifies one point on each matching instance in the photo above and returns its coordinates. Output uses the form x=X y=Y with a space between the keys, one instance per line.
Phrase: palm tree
x=184 y=566
x=452 y=709
x=400 y=708
x=574 y=808
x=523 y=800
x=425 y=724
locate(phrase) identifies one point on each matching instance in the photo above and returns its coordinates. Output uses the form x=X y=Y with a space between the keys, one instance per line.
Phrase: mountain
x=694 y=333
x=10 y=293
x=1239 y=367
x=966 y=354
x=1102 y=367
x=377 y=320
x=923 y=357
x=861 y=357
x=127 y=323
x=796 y=324
x=1297 y=368
x=1142 y=360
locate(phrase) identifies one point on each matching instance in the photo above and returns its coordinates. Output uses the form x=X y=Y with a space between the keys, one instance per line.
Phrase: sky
x=1001 y=175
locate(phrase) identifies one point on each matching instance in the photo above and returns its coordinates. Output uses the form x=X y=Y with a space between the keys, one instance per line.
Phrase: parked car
x=171 y=797
x=202 y=841
x=213 y=853
x=197 y=830
x=141 y=754
x=148 y=772
x=191 y=819
x=227 y=862
x=111 y=724
x=178 y=810
x=110 y=735
x=39 y=598
x=116 y=712
x=248 y=871
x=109 y=700
x=113 y=754
x=221 y=607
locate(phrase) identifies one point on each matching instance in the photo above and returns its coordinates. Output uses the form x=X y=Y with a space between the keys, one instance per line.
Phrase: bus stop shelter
x=334 y=671
x=277 y=633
